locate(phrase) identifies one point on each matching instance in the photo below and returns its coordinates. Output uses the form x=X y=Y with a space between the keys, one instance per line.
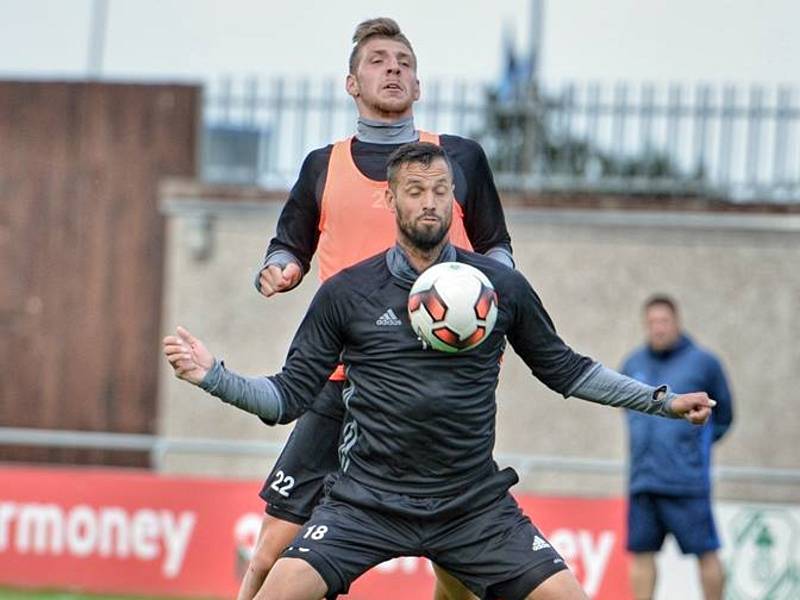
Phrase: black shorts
x=495 y=550
x=294 y=486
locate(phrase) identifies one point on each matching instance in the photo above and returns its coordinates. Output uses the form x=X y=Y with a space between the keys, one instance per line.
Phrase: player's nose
x=392 y=65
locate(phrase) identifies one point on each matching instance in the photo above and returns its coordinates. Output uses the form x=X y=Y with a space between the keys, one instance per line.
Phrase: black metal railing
x=732 y=142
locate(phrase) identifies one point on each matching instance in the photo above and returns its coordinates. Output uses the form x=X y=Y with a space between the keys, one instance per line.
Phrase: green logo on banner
x=763 y=563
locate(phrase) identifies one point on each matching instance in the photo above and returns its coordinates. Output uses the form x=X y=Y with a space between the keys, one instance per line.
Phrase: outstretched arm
x=193 y=362
x=562 y=369
x=604 y=386
x=283 y=397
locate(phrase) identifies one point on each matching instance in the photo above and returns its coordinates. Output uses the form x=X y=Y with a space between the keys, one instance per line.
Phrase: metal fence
x=159 y=447
x=731 y=142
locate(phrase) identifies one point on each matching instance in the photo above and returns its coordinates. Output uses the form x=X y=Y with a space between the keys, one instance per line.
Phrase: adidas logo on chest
x=388 y=319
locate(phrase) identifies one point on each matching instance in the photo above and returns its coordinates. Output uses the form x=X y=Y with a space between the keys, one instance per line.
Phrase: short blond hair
x=382 y=27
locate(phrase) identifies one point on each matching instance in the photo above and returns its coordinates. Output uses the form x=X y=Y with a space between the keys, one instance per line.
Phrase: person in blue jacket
x=670 y=483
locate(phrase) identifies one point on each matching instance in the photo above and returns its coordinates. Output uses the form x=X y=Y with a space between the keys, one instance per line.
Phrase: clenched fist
x=273 y=279
x=695 y=407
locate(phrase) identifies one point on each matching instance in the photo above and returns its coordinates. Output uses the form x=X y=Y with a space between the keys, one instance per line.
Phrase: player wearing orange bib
x=337 y=211
x=351 y=229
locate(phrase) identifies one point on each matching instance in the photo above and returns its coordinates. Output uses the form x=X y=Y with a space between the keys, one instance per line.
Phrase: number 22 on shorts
x=282 y=483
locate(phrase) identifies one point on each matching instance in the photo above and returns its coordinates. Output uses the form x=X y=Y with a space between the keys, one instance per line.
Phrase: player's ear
x=389 y=199
x=417 y=92
x=351 y=85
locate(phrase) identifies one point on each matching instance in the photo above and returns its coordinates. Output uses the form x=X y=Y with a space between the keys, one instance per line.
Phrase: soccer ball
x=453 y=307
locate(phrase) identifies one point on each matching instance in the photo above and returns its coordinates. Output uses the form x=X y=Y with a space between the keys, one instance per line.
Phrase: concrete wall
x=737 y=278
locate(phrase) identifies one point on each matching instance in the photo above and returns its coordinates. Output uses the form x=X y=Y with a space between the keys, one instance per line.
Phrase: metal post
x=592 y=139
x=674 y=111
x=727 y=115
x=702 y=109
x=328 y=109
x=225 y=98
x=97 y=38
x=782 y=126
x=433 y=105
x=460 y=107
x=277 y=121
x=753 y=135
x=252 y=101
x=301 y=117
x=619 y=115
x=537 y=25
x=646 y=110
x=564 y=137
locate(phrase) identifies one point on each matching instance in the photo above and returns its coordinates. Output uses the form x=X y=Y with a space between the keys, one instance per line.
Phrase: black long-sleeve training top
x=421 y=422
x=424 y=420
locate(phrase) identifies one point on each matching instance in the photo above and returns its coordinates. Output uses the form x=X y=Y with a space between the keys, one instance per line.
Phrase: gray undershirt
x=501 y=255
x=604 y=386
x=378 y=132
x=256 y=395
x=261 y=397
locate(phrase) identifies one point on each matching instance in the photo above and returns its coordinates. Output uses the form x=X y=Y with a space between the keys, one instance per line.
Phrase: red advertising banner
x=122 y=532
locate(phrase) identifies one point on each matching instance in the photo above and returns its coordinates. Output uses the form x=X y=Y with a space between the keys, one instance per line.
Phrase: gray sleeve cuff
x=256 y=395
x=501 y=255
x=280 y=258
x=604 y=386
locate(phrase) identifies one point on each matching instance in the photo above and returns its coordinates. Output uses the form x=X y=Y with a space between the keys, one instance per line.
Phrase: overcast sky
x=743 y=41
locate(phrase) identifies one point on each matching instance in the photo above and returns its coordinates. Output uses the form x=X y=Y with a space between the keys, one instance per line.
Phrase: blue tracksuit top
x=672 y=456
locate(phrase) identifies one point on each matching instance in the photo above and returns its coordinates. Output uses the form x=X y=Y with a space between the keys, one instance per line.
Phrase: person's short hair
x=382 y=27
x=661 y=300
x=423 y=153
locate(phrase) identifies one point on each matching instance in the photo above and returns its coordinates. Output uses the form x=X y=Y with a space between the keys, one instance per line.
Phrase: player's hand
x=188 y=356
x=273 y=279
x=695 y=407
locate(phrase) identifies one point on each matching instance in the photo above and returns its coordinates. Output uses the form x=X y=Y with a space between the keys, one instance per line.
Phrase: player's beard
x=425 y=236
